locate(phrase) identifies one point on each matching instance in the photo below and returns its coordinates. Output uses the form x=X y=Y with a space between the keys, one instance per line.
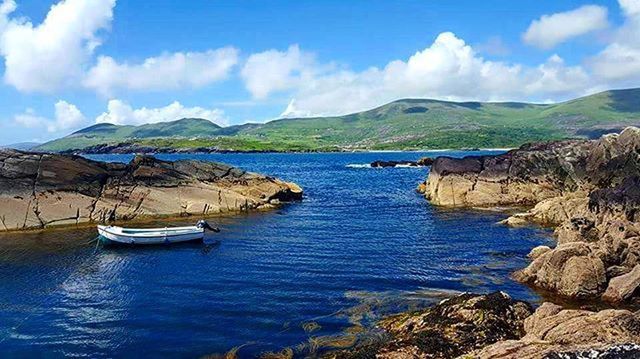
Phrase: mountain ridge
x=410 y=123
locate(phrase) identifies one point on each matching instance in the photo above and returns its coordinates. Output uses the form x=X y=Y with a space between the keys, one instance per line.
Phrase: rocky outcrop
x=535 y=172
x=43 y=190
x=453 y=327
x=553 y=332
x=496 y=326
x=588 y=190
x=422 y=162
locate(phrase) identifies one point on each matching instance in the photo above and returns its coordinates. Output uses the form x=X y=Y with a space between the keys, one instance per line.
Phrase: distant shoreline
x=178 y=152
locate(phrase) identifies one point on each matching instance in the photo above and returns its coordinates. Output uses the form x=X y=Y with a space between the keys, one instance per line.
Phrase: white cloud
x=58 y=53
x=551 y=30
x=6 y=8
x=554 y=77
x=54 y=53
x=274 y=70
x=168 y=71
x=120 y=113
x=630 y=7
x=448 y=69
x=619 y=62
x=67 y=116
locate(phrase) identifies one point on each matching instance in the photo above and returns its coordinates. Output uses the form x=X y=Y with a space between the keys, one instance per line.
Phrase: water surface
x=361 y=239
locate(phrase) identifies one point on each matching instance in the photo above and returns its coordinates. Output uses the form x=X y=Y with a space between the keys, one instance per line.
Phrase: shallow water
x=362 y=239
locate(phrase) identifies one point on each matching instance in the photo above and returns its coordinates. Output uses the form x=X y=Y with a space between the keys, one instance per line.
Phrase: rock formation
x=422 y=162
x=451 y=328
x=43 y=190
x=496 y=326
x=553 y=332
x=588 y=190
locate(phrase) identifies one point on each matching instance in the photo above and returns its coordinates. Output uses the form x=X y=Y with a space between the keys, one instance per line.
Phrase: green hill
x=402 y=124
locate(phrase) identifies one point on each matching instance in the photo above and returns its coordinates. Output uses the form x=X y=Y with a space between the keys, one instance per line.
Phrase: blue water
x=361 y=244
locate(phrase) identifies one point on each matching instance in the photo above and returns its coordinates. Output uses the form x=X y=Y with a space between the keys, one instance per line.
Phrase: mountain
x=402 y=124
x=24 y=146
x=109 y=133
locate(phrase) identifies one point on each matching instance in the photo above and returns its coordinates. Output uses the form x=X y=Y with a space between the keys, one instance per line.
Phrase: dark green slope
x=402 y=124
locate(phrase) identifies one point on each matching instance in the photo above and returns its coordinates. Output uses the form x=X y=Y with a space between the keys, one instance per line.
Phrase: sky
x=69 y=64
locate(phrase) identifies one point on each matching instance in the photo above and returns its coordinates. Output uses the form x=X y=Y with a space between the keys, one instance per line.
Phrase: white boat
x=166 y=235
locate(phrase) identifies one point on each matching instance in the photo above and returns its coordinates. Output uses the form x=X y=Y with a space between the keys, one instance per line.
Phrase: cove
x=269 y=280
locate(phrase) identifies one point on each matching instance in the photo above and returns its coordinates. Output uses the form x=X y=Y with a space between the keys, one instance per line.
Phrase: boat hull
x=119 y=235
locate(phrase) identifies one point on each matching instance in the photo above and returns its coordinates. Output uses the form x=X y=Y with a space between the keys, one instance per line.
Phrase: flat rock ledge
x=588 y=190
x=497 y=326
x=44 y=190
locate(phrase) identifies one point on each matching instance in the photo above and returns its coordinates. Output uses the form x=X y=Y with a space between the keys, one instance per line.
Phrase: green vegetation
x=403 y=124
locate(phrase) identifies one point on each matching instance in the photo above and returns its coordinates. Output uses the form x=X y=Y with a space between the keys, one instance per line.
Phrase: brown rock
x=622 y=287
x=538 y=251
x=570 y=270
x=552 y=329
x=582 y=277
x=515 y=221
x=451 y=328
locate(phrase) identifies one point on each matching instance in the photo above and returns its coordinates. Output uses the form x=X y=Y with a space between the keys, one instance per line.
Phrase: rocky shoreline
x=497 y=326
x=589 y=191
x=129 y=148
x=40 y=191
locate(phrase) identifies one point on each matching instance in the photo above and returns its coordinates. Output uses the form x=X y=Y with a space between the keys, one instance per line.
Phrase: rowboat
x=115 y=234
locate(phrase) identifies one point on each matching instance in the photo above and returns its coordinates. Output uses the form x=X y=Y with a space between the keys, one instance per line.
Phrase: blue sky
x=68 y=64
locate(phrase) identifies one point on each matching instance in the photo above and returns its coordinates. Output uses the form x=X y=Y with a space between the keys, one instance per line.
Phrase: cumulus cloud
x=274 y=70
x=448 y=69
x=630 y=7
x=619 y=62
x=67 y=116
x=551 y=30
x=60 y=51
x=168 y=71
x=121 y=113
x=54 y=53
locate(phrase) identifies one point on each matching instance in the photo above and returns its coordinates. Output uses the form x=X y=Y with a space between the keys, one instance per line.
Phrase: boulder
x=623 y=286
x=40 y=190
x=518 y=220
x=570 y=270
x=538 y=251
